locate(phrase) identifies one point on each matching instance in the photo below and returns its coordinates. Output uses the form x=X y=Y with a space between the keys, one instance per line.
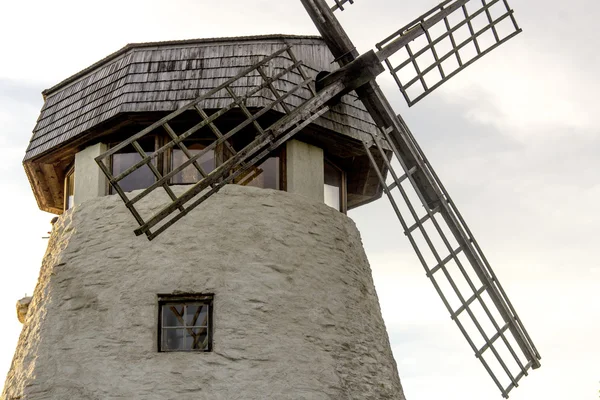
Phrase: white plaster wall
x=90 y=182
x=305 y=170
x=296 y=314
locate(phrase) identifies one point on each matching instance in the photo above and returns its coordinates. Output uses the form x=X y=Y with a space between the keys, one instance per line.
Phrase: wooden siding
x=164 y=76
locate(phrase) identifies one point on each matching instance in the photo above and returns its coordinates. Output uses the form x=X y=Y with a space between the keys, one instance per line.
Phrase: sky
x=514 y=138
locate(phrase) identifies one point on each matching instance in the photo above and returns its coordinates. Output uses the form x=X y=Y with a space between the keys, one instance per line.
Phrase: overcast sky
x=514 y=138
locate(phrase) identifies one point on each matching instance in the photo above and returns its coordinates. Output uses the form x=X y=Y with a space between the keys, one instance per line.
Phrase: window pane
x=70 y=190
x=196 y=339
x=265 y=176
x=185 y=325
x=124 y=159
x=196 y=315
x=173 y=339
x=190 y=174
x=173 y=315
x=333 y=186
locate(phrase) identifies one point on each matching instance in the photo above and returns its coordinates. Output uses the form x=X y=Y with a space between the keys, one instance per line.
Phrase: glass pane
x=332 y=196
x=196 y=339
x=173 y=315
x=333 y=186
x=190 y=174
x=124 y=159
x=70 y=190
x=266 y=176
x=173 y=339
x=196 y=315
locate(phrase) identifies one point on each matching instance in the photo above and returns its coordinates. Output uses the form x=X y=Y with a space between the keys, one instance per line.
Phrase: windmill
x=444 y=245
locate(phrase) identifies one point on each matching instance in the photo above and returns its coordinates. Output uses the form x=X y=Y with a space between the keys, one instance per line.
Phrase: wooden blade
x=451 y=229
x=433 y=48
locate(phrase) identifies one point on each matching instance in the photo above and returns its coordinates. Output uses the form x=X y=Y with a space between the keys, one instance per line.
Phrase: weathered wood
x=414 y=30
x=370 y=94
x=41 y=190
x=424 y=180
x=308 y=112
x=164 y=76
x=355 y=74
x=55 y=182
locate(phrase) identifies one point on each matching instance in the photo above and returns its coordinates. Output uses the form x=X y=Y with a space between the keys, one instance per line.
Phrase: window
x=70 y=189
x=185 y=323
x=335 y=187
x=126 y=158
x=267 y=175
x=190 y=174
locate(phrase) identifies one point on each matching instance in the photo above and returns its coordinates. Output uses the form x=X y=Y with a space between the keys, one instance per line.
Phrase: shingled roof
x=162 y=76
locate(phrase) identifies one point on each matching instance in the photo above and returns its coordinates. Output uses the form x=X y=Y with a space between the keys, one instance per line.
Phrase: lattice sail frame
x=339 y=4
x=442 y=42
x=239 y=164
x=456 y=265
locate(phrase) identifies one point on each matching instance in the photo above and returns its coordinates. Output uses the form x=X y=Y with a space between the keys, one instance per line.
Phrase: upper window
x=269 y=174
x=190 y=174
x=334 y=191
x=185 y=323
x=126 y=158
x=70 y=189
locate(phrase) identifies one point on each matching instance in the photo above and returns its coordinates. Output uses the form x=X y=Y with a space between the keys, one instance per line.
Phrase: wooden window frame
x=282 y=155
x=167 y=165
x=282 y=168
x=159 y=162
x=163 y=161
x=70 y=171
x=165 y=299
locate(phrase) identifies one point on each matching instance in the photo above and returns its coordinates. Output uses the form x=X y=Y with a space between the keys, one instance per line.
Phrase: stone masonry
x=296 y=315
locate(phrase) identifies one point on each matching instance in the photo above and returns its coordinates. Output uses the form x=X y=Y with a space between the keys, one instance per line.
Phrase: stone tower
x=263 y=292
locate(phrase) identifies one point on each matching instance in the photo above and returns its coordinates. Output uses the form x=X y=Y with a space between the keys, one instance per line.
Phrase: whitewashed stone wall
x=296 y=314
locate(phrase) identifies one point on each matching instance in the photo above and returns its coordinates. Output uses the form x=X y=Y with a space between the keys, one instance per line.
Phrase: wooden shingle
x=163 y=76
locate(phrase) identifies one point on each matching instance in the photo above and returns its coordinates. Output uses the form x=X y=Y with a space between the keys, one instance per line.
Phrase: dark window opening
x=185 y=323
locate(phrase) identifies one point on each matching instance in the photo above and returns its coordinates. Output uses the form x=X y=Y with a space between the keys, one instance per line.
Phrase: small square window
x=185 y=322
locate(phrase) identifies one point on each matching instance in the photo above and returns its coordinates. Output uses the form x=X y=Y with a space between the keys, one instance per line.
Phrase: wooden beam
x=354 y=74
x=370 y=94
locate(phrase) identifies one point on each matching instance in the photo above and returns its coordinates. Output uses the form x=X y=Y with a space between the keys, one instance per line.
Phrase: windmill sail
x=440 y=237
x=455 y=264
x=339 y=4
x=430 y=50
